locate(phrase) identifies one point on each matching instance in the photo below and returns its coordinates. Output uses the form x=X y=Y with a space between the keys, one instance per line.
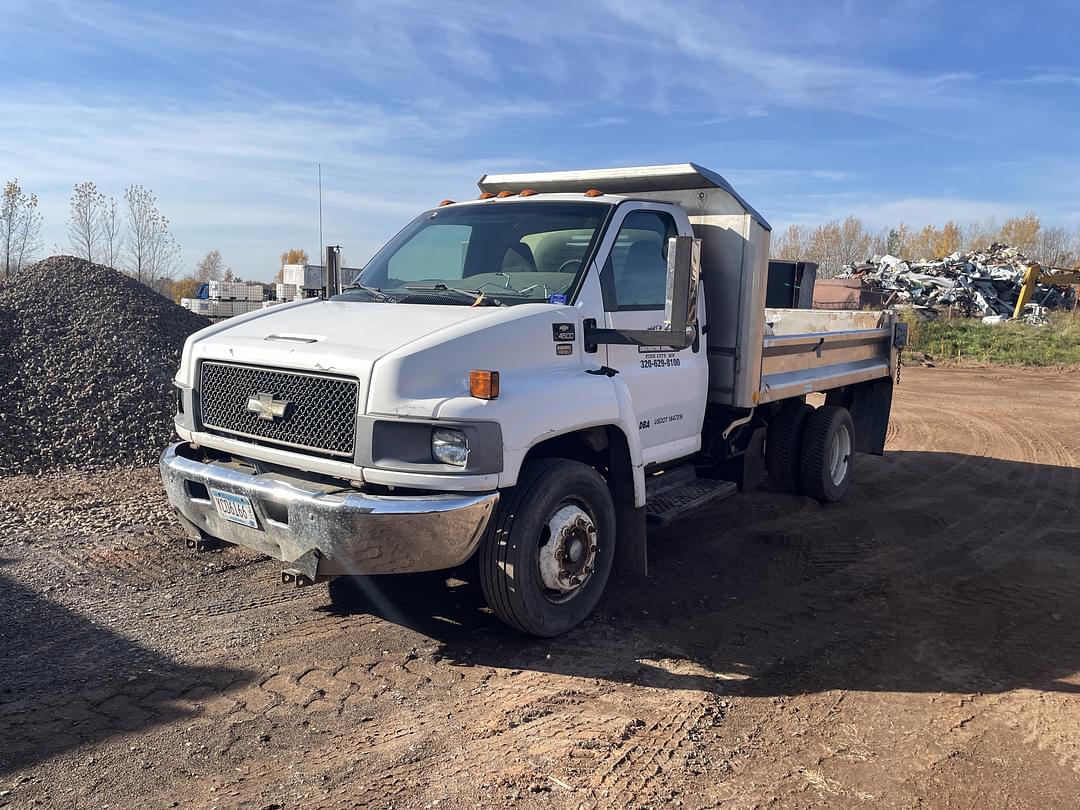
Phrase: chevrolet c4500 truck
x=524 y=381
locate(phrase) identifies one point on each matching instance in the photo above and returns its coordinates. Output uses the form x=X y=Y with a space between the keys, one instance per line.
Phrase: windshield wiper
x=374 y=292
x=478 y=297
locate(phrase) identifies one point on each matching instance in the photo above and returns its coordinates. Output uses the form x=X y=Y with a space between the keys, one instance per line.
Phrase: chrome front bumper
x=351 y=532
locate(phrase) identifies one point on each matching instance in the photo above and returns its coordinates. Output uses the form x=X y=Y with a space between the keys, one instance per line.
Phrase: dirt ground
x=915 y=646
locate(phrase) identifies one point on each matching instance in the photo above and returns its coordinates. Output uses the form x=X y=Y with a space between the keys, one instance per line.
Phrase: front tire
x=548 y=551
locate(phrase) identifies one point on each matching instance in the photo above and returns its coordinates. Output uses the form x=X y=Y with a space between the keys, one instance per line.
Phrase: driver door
x=668 y=387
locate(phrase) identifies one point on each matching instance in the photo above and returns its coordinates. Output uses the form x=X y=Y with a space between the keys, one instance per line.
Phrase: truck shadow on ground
x=927 y=578
x=66 y=681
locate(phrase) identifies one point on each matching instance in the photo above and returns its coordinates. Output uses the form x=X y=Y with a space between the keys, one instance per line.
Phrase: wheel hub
x=839 y=456
x=568 y=558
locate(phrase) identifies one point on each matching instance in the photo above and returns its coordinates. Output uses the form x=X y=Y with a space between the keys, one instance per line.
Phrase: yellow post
x=1027 y=288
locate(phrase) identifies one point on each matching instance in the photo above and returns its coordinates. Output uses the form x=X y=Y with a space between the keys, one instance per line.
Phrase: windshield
x=513 y=253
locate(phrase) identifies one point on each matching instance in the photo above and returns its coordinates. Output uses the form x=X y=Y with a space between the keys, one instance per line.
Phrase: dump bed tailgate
x=804 y=351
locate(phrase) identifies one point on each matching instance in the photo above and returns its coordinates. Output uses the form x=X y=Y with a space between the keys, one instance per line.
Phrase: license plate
x=236 y=508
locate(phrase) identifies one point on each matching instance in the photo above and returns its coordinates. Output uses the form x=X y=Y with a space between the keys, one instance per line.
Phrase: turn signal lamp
x=592 y=192
x=484 y=384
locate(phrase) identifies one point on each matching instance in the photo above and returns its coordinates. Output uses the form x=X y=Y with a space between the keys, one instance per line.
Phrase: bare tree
x=854 y=241
x=210 y=267
x=1053 y=247
x=793 y=244
x=85 y=222
x=978 y=236
x=152 y=251
x=112 y=236
x=20 y=228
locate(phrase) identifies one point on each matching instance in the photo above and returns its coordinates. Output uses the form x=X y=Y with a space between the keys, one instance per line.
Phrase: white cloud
x=247 y=177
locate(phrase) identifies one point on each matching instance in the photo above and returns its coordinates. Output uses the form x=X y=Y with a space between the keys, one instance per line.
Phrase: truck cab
x=511 y=379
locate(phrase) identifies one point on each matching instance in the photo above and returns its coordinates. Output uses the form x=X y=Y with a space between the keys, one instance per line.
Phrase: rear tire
x=547 y=553
x=828 y=449
x=783 y=445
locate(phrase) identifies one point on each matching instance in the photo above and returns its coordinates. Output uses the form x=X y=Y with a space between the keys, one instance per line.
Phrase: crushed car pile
x=973 y=284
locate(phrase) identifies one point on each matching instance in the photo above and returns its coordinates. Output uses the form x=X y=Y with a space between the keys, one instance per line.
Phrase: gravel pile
x=87 y=357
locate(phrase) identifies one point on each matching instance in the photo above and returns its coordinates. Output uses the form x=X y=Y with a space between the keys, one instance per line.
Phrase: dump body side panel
x=807 y=351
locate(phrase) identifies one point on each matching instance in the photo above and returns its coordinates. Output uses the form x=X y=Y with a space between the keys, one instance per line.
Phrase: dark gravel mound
x=87 y=357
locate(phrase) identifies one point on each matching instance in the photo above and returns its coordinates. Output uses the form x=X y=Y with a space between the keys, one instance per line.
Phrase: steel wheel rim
x=566 y=551
x=840 y=455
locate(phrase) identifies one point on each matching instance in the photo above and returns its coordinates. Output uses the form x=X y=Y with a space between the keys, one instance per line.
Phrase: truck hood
x=340 y=337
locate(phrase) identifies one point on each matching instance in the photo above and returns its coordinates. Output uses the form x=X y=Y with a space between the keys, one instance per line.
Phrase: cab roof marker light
x=446 y=202
x=592 y=192
x=486 y=195
x=527 y=192
x=502 y=194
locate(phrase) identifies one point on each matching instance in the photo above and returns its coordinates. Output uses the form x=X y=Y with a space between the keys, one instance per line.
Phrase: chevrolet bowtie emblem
x=266 y=407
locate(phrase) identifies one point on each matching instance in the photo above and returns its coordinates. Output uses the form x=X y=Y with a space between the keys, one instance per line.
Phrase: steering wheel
x=567 y=263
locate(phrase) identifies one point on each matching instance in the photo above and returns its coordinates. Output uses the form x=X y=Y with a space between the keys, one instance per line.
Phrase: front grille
x=320 y=414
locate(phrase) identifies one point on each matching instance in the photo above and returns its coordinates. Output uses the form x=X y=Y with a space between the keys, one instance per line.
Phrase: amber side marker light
x=486 y=195
x=505 y=194
x=484 y=384
x=527 y=192
x=446 y=202
x=592 y=192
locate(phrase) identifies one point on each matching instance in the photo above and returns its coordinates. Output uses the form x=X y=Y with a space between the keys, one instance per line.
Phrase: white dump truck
x=523 y=382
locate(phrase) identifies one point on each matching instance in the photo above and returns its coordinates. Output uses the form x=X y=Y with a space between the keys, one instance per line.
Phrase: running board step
x=672 y=502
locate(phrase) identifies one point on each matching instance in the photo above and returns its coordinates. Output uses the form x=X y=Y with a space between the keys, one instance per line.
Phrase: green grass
x=1010 y=344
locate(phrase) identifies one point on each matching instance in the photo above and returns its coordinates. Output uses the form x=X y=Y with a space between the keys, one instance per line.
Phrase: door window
x=635 y=274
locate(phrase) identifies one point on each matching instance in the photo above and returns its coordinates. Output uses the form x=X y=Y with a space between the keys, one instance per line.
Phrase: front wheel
x=548 y=551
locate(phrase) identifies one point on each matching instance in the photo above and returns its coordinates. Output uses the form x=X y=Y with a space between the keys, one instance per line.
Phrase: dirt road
x=915 y=646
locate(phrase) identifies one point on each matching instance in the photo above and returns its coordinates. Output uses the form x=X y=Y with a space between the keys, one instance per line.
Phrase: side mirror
x=679 y=329
x=680 y=300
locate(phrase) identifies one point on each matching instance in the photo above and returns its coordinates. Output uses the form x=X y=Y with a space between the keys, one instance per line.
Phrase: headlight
x=449 y=447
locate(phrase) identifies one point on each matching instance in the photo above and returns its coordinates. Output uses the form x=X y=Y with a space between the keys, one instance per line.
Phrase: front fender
x=535 y=410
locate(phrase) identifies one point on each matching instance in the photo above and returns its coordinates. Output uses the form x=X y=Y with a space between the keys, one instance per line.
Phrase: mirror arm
x=642 y=337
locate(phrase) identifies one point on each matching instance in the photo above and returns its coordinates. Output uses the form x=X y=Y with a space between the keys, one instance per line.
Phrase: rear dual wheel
x=548 y=551
x=810 y=450
x=828 y=448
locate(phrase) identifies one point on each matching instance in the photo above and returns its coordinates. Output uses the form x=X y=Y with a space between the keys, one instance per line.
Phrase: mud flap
x=869 y=404
x=631 y=539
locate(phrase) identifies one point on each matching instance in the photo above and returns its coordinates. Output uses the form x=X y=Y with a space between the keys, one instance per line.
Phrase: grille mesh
x=320 y=416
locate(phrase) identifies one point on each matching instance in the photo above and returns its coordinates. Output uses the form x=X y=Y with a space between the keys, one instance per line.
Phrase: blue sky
x=910 y=111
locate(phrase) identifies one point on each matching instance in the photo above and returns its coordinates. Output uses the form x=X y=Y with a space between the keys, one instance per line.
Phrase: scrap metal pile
x=972 y=284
